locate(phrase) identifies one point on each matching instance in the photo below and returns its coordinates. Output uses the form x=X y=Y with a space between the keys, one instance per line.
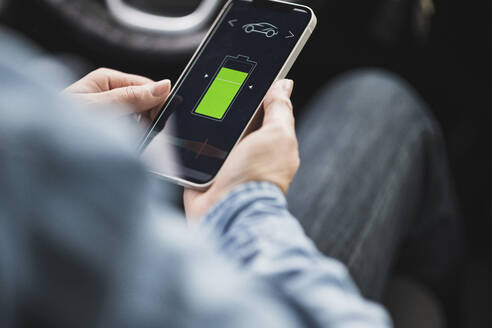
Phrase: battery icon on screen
x=224 y=87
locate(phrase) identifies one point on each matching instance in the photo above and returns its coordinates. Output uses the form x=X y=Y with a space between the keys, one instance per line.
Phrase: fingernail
x=288 y=85
x=161 y=88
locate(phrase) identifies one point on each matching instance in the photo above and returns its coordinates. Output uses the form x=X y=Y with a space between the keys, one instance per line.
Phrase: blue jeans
x=374 y=188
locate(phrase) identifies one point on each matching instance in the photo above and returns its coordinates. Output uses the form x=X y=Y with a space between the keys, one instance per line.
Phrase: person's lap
x=373 y=189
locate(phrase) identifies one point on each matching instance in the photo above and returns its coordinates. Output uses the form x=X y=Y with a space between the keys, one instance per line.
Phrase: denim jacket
x=88 y=239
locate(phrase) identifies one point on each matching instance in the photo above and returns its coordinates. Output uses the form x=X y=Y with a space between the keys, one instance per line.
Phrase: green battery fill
x=221 y=93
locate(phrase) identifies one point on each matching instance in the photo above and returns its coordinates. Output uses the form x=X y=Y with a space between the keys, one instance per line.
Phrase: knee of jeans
x=382 y=98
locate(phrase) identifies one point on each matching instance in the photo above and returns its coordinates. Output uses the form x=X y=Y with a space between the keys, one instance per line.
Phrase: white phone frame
x=282 y=74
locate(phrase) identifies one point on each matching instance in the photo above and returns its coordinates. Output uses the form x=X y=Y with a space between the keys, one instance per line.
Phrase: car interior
x=441 y=47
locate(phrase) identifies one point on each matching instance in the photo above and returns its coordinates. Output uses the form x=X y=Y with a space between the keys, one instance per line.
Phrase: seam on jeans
x=379 y=201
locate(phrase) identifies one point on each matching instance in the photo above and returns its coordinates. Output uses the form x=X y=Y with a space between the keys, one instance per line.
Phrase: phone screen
x=216 y=97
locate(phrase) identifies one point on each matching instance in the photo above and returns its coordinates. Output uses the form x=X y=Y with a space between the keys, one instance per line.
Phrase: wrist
x=198 y=206
x=249 y=190
x=230 y=207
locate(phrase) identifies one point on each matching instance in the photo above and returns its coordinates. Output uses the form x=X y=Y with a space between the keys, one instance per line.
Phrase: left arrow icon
x=232 y=21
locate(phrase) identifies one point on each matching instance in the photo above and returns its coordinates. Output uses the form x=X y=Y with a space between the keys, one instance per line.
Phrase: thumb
x=139 y=97
x=277 y=106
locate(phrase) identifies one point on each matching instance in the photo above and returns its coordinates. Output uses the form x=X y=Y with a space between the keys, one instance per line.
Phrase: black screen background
x=270 y=55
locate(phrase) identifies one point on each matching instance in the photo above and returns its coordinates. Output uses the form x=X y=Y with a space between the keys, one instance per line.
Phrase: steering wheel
x=134 y=17
x=149 y=29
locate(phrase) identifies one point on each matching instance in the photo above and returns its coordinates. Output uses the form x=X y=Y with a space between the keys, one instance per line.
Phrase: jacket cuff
x=226 y=212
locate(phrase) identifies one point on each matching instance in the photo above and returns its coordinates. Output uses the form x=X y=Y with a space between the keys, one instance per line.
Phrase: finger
x=155 y=111
x=109 y=79
x=140 y=98
x=277 y=106
x=143 y=98
x=105 y=79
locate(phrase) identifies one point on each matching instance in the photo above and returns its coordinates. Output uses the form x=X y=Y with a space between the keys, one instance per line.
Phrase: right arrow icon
x=291 y=35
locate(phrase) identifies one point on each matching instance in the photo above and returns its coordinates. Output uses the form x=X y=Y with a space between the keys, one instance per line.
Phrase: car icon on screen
x=267 y=29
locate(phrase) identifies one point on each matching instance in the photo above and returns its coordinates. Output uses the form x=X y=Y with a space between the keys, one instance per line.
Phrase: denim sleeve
x=86 y=239
x=255 y=229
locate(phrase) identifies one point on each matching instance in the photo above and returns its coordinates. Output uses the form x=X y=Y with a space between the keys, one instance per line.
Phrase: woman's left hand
x=106 y=86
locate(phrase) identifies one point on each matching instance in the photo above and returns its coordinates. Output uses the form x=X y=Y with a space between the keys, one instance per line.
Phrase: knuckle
x=101 y=70
x=291 y=145
x=283 y=102
x=131 y=93
x=280 y=130
x=298 y=163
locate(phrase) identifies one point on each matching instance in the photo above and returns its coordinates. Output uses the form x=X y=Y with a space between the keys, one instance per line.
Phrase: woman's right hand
x=267 y=154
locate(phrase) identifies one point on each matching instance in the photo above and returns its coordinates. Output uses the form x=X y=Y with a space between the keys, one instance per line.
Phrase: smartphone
x=251 y=44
